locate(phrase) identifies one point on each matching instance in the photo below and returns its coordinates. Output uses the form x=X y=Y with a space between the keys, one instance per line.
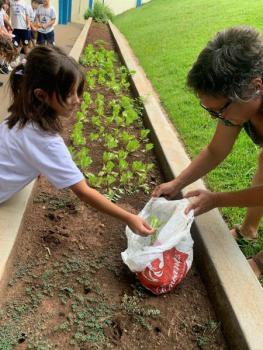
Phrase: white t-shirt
x=44 y=15
x=2 y=24
x=18 y=14
x=31 y=13
x=28 y=152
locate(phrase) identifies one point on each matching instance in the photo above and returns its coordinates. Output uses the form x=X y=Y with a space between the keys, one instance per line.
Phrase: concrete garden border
x=234 y=290
x=13 y=210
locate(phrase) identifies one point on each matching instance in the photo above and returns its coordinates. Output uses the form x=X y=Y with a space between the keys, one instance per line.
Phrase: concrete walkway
x=65 y=36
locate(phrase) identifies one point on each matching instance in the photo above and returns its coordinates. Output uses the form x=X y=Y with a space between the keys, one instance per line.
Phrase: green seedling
x=121 y=154
x=93 y=180
x=94 y=136
x=126 y=137
x=83 y=158
x=149 y=146
x=110 y=141
x=144 y=134
x=123 y=165
x=107 y=156
x=133 y=145
x=100 y=105
x=138 y=166
x=130 y=116
x=126 y=178
x=87 y=98
x=155 y=223
x=96 y=121
x=77 y=135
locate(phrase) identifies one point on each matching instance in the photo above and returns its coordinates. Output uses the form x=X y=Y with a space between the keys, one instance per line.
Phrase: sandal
x=258 y=258
x=238 y=235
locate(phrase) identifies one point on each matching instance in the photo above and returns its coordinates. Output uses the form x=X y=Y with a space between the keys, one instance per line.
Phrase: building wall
x=118 y=6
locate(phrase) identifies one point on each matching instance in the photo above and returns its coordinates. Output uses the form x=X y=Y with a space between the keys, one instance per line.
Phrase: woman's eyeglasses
x=219 y=113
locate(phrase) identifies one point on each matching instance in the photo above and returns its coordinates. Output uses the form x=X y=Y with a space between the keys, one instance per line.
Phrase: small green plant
x=155 y=223
x=83 y=159
x=100 y=13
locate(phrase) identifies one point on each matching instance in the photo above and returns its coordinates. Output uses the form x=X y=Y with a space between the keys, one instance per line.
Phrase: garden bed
x=69 y=288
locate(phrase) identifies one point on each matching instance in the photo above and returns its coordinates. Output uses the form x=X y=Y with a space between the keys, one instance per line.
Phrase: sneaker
x=4 y=69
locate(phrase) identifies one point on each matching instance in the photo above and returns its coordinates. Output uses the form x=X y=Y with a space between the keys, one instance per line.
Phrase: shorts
x=46 y=37
x=20 y=36
x=32 y=35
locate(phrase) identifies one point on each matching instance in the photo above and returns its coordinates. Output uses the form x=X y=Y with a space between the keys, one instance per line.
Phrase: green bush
x=101 y=13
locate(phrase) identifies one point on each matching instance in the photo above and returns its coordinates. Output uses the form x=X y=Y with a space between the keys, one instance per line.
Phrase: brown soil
x=69 y=282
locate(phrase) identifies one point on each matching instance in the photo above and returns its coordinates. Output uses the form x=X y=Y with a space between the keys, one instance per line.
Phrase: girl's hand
x=139 y=226
x=168 y=190
x=203 y=201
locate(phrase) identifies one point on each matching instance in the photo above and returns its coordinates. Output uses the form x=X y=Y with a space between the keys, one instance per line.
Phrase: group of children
x=24 y=26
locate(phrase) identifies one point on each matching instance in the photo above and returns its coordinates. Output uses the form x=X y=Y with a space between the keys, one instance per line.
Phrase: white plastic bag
x=162 y=265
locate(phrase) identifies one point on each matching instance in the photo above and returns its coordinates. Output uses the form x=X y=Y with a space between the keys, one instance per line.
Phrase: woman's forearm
x=204 y=162
x=249 y=197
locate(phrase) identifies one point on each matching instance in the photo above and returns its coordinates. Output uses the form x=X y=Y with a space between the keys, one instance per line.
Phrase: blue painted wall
x=65 y=8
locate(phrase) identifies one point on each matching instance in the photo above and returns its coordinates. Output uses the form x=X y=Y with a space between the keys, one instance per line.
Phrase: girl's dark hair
x=49 y=69
x=228 y=63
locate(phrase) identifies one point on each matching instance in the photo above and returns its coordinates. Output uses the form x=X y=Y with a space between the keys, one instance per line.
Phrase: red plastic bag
x=163 y=276
x=161 y=263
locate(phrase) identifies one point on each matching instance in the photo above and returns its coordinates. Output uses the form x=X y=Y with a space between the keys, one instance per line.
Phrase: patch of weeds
x=89 y=317
x=131 y=304
x=65 y=293
x=62 y=201
x=207 y=333
x=39 y=344
x=71 y=265
x=9 y=337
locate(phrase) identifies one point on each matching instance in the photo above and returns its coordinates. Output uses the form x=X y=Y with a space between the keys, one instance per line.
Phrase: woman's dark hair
x=49 y=69
x=227 y=65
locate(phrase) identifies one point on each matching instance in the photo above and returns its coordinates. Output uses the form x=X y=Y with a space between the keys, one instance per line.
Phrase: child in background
x=5 y=11
x=5 y=38
x=32 y=9
x=20 y=22
x=46 y=18
x=48 y=86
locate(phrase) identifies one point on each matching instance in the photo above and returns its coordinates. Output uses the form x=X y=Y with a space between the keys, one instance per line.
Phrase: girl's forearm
x=250 y=197
x=98 y=201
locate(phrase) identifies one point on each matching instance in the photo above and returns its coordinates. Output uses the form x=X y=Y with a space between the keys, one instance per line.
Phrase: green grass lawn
x=166 y=36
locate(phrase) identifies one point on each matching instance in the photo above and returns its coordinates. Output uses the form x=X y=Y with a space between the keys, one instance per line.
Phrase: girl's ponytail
x=15 y=84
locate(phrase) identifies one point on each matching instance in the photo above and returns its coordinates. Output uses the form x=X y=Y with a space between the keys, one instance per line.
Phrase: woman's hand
x=203 y=201
x=139 y=226
x=168 y=190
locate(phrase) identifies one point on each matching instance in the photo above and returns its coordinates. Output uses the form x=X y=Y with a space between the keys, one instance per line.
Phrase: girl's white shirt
x=28 y=152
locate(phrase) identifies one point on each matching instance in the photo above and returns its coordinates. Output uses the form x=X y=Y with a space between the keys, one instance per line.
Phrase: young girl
x=47 y=87
x=20 y=22
x=46 y=18
x=32 y=10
